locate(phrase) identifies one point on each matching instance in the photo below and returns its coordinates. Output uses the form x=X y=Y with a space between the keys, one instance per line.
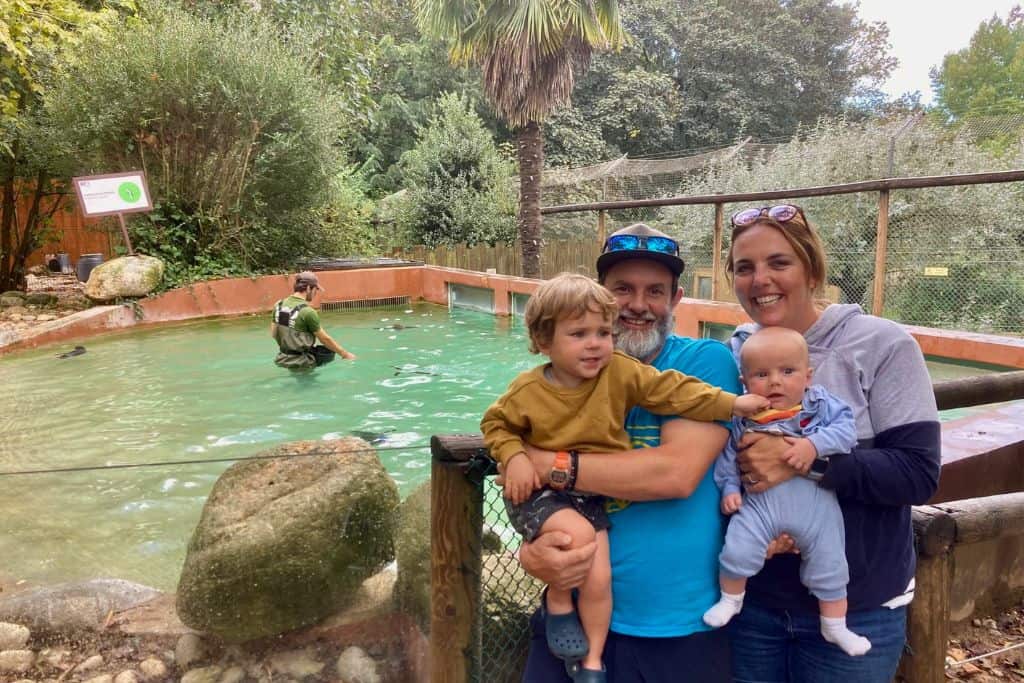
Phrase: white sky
x=922 y=32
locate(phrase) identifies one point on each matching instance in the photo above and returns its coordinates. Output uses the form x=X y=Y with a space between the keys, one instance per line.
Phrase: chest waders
x=296 y=347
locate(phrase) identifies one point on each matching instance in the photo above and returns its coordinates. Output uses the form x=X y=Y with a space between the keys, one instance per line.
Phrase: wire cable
x=173 y=463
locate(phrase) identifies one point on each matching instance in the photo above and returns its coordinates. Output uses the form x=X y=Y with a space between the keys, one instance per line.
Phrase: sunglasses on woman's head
x=783 y=213
x=664 y=245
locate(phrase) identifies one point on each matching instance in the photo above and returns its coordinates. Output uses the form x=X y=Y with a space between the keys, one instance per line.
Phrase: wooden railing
x=460 y=463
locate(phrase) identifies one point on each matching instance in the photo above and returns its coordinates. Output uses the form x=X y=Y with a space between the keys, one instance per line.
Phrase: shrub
x=457 y=185
x=235 y=134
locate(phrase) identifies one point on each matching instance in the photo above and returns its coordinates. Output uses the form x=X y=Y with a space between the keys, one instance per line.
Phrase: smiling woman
x=777 y=265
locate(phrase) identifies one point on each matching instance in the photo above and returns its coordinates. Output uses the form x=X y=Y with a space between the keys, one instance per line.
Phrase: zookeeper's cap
x=308 y=279
x=640 y=241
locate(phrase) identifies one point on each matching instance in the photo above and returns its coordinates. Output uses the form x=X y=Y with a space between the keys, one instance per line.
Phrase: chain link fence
x=952 y=254
x=508 y=596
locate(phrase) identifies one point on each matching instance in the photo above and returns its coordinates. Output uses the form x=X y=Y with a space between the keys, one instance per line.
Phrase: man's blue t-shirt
x=664 y=553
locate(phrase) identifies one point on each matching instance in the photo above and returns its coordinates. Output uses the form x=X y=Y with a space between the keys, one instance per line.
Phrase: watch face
x=556 y=477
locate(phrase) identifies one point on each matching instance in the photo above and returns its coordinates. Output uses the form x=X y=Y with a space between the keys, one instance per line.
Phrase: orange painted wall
x=241 y=296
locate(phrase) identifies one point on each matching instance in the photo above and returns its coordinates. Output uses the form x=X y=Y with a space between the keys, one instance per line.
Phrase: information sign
x=113 y=193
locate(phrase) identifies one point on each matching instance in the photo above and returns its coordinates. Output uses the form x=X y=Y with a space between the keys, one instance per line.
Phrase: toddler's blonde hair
x=564 y=297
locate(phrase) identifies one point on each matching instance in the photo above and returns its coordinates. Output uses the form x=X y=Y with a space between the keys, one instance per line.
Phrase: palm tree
x=528 y=51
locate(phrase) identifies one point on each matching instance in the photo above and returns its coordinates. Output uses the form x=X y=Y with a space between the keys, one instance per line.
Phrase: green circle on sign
x=129 y=191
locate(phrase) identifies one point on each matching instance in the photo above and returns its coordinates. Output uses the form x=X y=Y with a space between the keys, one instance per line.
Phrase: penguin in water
x=77 y=351
x=372 y=438
x=396 y=326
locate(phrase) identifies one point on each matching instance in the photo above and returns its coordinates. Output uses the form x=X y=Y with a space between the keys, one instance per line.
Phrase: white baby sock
x=833 y=629
x=726 y=608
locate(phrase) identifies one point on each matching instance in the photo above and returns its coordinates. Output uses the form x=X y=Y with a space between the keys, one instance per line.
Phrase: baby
x=579 y=401
x=775 y=364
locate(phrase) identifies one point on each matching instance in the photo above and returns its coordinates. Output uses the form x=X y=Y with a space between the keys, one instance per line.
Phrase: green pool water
x=208 y=390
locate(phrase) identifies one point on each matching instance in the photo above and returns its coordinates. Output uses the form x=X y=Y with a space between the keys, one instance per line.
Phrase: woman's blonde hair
x=565 y=296
x=805 y=241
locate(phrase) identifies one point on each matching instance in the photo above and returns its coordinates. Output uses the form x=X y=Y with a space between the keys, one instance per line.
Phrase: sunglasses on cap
x=783 y=213
x=663 y=245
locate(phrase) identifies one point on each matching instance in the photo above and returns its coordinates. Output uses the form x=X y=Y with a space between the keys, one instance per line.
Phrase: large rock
x=70 y=607
x=284 y=542
x=412 y=550
x=124 y=276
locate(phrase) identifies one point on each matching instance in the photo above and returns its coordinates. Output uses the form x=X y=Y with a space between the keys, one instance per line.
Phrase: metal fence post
x=456 y=524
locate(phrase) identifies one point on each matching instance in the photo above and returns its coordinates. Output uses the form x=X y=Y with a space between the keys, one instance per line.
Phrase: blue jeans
x=779 y=646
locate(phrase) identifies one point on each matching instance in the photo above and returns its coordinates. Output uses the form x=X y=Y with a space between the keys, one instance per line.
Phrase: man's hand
x=731 y=502
x=748 y=405
x=800 y=454
x=348 y=355
x=520 y=479
x=762 y=460
x=783 y=544
x=550 y=559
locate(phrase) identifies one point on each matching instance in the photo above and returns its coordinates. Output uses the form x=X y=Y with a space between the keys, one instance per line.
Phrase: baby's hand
x=731 y=502
x=800 y=454
x=750 y=404
x=520 y=479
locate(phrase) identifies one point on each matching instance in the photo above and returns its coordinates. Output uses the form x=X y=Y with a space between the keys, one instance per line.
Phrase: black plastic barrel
x=85 y=265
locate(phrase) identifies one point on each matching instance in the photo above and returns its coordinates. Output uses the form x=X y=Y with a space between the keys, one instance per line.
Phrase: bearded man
x=666 y=529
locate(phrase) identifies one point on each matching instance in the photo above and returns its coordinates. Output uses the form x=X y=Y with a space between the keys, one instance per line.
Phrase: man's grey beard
x=644 y=345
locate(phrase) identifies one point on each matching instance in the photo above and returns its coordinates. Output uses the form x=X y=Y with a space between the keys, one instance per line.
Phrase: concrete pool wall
x=257 y=295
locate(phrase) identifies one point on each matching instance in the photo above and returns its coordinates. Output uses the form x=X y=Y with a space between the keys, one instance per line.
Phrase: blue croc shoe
x=590 y=676
x=565 y=635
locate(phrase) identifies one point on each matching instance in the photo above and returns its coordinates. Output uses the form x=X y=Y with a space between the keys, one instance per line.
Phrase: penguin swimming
x=77 y=351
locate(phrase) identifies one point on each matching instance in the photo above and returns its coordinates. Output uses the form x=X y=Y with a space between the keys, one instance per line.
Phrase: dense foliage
x=235 y=133
x=34 y=34
x=973 y=231
x=265 y=126
x=707 y=73
x=457 y=184
x=988 y=74
x=529 y=56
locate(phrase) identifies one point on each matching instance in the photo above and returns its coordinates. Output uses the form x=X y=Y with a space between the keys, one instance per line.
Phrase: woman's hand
x=550 y=559
x=762 y=461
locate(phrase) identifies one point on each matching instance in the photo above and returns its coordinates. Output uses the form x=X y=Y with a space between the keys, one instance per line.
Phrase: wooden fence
x=460 y=463
x=73 y=233
x=558 y=256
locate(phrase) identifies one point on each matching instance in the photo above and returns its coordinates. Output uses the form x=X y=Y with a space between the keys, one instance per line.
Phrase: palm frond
x=528 y=49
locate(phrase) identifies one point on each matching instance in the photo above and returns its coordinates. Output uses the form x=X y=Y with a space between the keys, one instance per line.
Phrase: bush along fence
x=942 y=251
x=481 y=599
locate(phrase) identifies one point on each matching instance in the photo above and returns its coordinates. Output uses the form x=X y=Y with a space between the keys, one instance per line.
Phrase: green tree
x=528 y=52
x=457 y=184
x=988 y=73
x=738 y=67
x=334 y=37
x=33 y=35
x=237 y=135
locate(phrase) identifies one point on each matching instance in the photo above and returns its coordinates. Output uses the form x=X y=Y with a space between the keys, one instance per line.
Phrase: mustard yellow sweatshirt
x=591 y=417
